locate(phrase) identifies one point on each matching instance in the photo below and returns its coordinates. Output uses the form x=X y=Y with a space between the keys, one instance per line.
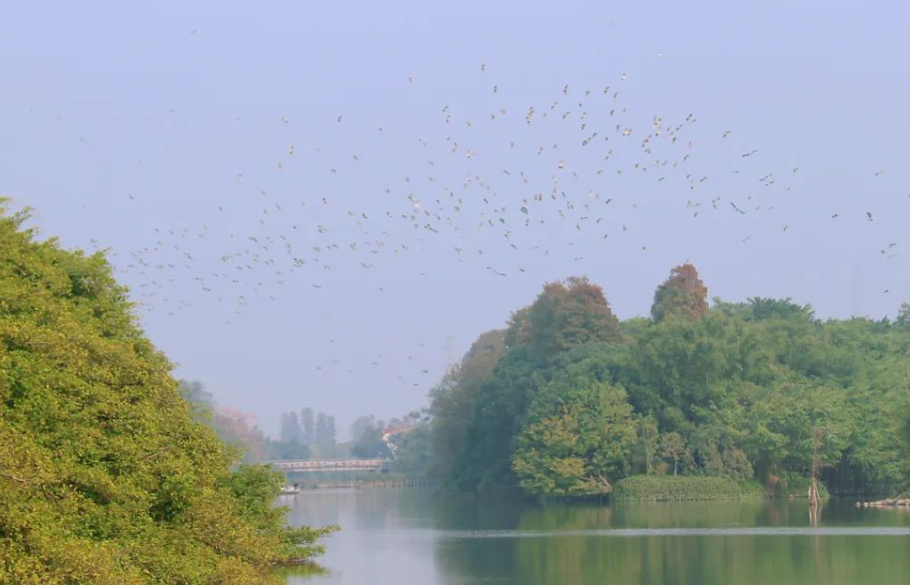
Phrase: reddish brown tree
x=683 y=295
x=568 y=314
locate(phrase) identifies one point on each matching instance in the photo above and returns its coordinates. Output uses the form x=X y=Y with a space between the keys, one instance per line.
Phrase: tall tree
x=325 y=435
x=290 y=428
x=306 y=421
x=452 y=402
x=518 y=329
x=361 y=425
x=764 y=308
x=369 y=444
x=903 y=315
x=648 y=441
x=484 y=460
x=195 y=392
x=683 y=295
x=673 y=448
x=321 y=432
x=412 y=450
x=566 y=315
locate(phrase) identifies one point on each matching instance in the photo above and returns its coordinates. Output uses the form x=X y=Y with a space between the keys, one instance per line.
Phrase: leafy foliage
x=106 y=473
x=760 y=389
x=583 y=446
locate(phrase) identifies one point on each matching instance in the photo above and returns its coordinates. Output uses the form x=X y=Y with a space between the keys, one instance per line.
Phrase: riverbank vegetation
x=567 y=401
x=652 y=488
x=106 y=475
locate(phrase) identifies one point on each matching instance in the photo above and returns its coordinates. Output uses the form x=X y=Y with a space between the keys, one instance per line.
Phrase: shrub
x=650 y=488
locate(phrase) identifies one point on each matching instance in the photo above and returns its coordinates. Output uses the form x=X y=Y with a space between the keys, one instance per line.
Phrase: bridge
x=305 y=466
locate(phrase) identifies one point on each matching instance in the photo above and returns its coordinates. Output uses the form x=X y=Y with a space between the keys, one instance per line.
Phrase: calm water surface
x=418 y=536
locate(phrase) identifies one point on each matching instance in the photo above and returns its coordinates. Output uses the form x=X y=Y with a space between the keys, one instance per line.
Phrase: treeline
x=404 y=440
x=567 y=399
x=312 y=435
x=106 y=475
x=306 y=436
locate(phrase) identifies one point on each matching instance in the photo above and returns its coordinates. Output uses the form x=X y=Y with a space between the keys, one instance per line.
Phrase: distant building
x=389 y=432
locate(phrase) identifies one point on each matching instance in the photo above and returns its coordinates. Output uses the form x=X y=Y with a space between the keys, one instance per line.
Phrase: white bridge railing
x=331 y=465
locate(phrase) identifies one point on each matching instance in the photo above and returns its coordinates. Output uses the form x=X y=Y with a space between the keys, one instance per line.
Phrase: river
x=417 y=536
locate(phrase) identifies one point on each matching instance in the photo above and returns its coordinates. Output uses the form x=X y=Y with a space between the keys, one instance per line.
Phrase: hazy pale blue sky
x=201 y=143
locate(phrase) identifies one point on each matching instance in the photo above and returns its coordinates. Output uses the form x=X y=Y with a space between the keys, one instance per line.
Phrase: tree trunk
x=813 y=486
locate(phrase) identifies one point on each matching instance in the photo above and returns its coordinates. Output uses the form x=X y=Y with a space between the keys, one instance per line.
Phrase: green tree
x=324 y=435
x=370 y=445
x=484 y=459
x=763 y=308
x=673 y=448
x=308 y=425
x=785 y=420
x=106 y=475
x=290 y=428
x=412 y=450
x=903 y=315
x=361 y=425
x=452 y=403
x=564 y=316
x=579 y=449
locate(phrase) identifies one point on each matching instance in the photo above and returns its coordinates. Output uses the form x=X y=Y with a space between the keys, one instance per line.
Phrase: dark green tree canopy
x=452 y=401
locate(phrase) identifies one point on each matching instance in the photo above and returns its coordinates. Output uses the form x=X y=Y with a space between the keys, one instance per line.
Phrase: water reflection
x=416 y=536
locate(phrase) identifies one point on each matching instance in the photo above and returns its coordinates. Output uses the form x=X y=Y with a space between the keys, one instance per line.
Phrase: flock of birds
x=494 y=190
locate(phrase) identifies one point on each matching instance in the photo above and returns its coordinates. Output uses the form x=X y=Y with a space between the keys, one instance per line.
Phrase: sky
x=324 y=203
